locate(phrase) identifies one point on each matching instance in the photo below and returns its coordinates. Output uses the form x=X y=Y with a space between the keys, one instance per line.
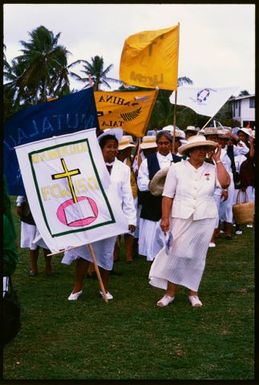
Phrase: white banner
x=203 y=100
x=66 y=183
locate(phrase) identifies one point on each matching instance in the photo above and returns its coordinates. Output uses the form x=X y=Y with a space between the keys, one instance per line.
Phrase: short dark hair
x=164 y=133
x=104 y=139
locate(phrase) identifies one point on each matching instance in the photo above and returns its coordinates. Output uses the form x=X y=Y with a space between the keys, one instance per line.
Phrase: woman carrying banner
x=120 y=191
x=189 y=213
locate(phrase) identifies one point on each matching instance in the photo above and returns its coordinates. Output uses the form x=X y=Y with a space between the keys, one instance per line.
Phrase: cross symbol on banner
x=68 y=174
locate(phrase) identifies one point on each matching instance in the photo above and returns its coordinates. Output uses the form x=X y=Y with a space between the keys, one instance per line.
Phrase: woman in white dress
x=31 y=238
x=189 y=214
x=120 y=190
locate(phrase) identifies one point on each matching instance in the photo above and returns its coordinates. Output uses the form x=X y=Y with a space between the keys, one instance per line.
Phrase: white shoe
x=239 y=232
x=212 y=244
x=108 y=295
x=195 y=301
x=165 y=300
x=249 y=226
x=75 y=296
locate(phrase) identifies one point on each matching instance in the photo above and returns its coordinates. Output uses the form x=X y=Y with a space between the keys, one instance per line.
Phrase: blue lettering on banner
x=74 y=112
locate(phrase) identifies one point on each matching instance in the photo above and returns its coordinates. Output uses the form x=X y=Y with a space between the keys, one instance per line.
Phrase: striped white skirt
x=185 y=262
x=151 y=238
x=103 y=251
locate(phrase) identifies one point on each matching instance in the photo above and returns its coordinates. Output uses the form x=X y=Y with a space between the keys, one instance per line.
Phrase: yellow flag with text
x=150 y=59
x=129 y=110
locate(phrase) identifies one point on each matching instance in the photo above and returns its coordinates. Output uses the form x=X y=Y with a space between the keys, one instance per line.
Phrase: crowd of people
x=177 y=189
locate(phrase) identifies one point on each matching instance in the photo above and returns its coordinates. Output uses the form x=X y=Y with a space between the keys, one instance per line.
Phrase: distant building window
x=251 y=102
x=237 y=108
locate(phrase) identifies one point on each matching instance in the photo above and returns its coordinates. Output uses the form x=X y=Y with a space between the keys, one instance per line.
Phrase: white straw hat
x=192 y=128
x=156 y=185
x=210 y=131
x=247 y=131
x=196 y=141
x=126 y=142
x=117 y=132
x=148 y=141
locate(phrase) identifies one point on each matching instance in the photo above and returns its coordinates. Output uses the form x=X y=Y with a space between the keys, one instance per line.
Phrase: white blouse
x=192 y=190
x=120 y=190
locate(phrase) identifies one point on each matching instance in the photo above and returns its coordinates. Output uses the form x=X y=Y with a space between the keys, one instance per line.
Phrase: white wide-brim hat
x=196 y=141
x=210 y=131
x=148 y=141
x=126 y=141
x=247 y=131
x=117 y=132
x=192 y=128
x=156 y=185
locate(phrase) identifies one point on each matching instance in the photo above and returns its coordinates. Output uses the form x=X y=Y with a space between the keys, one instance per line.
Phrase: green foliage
x=95 y=73
x=130 y=338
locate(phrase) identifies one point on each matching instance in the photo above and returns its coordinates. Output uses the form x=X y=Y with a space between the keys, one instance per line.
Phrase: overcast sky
x=217 y=41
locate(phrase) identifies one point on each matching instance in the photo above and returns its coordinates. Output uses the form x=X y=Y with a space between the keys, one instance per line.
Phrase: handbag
x=11 y=312
x=243 y=211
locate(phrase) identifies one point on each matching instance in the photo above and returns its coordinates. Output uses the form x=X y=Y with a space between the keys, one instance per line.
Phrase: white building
x=243 y=110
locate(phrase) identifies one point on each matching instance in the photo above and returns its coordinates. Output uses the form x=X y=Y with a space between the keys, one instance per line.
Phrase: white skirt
x=103 y=251
x=151 y=238
x=185 y=262
x=30 y=237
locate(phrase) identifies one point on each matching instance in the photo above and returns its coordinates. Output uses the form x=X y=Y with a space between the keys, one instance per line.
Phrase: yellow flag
x=129 y=110
x=150 y=59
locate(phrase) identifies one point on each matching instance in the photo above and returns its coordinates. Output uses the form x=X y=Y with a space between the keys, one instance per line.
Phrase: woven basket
x=243 y=211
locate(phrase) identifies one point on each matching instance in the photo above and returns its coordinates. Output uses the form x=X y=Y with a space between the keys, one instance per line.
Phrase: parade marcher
x=247 y=173
x=220 y=194
x=228 y=152
x=119 y=190
x=147 y=147
x=189 y=214
x=150 y=235
x=125 y=155
x=31 y=238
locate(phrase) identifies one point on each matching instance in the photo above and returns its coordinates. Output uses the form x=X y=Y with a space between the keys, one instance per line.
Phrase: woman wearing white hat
x=119 y=190
x=189 y=213
x=228 y=153
x=150 y=235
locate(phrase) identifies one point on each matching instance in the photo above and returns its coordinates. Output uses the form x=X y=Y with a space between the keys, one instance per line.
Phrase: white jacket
x=192 y=190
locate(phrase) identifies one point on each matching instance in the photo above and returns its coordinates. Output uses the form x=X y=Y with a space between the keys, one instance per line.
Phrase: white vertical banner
x=203 y=100
x=66 y=184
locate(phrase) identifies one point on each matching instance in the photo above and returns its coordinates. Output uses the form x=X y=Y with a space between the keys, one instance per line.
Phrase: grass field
x=130 y=338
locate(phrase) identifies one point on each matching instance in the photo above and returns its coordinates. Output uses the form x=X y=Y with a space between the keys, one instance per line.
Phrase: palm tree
x=45 y=65
x=95 y=73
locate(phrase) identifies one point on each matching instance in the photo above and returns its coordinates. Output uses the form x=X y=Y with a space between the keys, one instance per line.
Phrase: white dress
x=119 y=189
x=30 y=236
x=225 y=207
x=193 y=217
x=151 y=237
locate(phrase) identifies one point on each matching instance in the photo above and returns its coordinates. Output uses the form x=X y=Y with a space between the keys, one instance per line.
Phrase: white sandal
x=165 y=300
x=75 y=296
x=195 y=301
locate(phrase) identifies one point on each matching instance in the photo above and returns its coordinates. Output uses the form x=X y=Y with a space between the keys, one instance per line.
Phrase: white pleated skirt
x=151 y=238
x=103 y=251
x=30 y=237
x=185 y=262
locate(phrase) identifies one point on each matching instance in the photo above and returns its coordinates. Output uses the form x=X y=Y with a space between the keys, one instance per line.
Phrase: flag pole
x=175 y=103
x=207 y=122
x=91 y=251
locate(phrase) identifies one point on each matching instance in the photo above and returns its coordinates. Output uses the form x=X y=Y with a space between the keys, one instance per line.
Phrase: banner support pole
x=174 y=121
x=207 y=122
x=91 y=251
